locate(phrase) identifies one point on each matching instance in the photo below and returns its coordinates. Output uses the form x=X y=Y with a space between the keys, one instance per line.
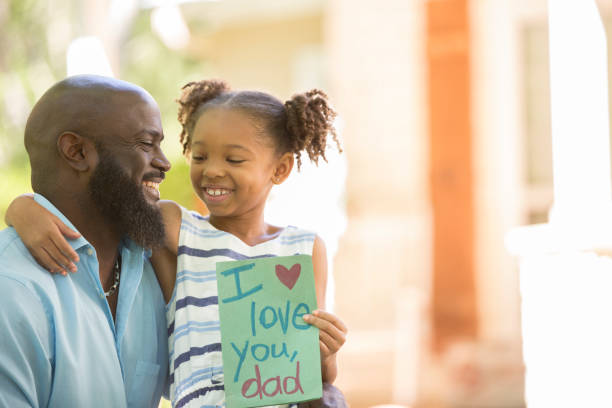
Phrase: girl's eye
x=235 y=161
x=197 y=158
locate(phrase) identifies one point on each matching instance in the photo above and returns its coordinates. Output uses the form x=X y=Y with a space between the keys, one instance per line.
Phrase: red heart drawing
x=288 y=277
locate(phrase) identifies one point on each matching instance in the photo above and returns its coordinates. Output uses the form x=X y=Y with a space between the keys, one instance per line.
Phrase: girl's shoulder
x=297 y=240
x=293 y=232
x=180 y=221
x=195 y=227
x=192 y=217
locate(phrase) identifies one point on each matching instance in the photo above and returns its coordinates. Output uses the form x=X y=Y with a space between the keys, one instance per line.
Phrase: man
x=96 y=338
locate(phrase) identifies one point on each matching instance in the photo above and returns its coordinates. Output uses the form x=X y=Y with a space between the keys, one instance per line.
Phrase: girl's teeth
x=216 y=192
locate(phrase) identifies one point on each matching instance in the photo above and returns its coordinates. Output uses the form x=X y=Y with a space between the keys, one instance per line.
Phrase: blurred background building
x=445 y=119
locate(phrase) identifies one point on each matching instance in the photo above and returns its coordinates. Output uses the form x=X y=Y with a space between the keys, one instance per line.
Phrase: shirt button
x=89 y=251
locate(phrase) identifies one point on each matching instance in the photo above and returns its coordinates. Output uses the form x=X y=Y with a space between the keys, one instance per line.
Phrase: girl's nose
x=213 y=170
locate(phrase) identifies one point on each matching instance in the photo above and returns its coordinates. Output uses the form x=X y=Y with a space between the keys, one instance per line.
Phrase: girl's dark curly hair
x=300 y=124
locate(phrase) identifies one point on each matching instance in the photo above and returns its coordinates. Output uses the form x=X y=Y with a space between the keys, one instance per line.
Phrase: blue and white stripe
x=194 y=336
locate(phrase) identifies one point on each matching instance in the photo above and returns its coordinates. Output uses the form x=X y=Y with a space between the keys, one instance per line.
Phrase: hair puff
x=310 y=120
x=194 y=95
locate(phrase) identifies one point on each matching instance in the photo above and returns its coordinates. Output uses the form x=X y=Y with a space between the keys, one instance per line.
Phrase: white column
x=579 y=107
x=565 y=280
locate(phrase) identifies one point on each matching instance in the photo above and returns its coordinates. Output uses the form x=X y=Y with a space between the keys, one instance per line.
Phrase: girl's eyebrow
x=230 y=146
x=237 y=146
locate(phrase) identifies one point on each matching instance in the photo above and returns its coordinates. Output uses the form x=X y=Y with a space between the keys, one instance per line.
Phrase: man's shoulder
x=16 y=262
x=20 y=300
x=24 y=307
x=7 y=237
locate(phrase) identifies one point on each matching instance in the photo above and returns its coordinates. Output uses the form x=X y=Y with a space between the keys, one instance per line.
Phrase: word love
x=268 y=317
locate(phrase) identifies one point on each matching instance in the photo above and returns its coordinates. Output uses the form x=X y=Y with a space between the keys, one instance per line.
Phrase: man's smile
x=152 y=188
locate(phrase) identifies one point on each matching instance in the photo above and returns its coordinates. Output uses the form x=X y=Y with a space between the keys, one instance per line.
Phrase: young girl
x=239 y=144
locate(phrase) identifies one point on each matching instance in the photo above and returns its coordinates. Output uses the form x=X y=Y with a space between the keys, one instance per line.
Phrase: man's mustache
x=154 y=175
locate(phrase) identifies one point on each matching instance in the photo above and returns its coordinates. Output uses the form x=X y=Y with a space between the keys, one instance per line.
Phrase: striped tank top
x=194 y=336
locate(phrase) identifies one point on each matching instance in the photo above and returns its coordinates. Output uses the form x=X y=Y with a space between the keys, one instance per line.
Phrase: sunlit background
x=448 y=134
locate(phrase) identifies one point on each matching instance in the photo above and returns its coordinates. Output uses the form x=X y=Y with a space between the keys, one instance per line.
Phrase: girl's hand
x=332 y=332
x=46 y=237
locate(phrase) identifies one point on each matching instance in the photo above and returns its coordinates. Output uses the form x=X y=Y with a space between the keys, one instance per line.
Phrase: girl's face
x=233 y=166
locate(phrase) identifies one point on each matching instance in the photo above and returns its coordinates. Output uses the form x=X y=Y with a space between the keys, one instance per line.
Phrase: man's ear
x=79 y=152
x=283 y=168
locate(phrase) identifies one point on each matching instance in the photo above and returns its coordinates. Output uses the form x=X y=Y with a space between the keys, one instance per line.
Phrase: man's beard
x=122 y=202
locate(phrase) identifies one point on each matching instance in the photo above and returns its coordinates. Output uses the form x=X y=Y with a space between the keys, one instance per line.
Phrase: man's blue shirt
x=59 y=345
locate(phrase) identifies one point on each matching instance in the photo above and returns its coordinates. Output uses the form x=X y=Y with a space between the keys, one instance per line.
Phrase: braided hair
x=302 y=124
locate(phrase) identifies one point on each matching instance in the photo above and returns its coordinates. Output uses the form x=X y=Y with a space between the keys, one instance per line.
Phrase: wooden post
x=451 y=182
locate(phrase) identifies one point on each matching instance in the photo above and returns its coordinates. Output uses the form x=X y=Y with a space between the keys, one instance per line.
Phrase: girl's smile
x=213 y=194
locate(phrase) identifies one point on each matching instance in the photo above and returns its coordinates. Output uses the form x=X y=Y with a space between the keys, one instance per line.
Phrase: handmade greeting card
x=270 y=355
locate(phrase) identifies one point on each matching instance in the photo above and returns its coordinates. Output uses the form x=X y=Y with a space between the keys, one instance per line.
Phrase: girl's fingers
x=64 y=253
x=53 y=250
x=62 y=244
x=43 y=259
x=330 y=343
x=65 y=230
x=50 y=262
x=324 y=349
x=334 y=328
x=332 y=318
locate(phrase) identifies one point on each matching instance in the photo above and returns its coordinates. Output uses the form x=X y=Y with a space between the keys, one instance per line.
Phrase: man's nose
x=161 y=162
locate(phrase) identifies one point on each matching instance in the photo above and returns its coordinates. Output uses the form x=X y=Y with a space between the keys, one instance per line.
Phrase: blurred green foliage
x=146 y=61
x=33 y=57
x=27 y=66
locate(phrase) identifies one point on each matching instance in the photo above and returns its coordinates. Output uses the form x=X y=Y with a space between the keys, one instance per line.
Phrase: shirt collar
x=81 y=242
x=132 y=246
x=74 y=243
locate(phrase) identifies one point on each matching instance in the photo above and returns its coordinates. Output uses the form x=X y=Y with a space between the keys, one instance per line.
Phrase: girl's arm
x=45 y=238
x=164 y=258
x=332 y=332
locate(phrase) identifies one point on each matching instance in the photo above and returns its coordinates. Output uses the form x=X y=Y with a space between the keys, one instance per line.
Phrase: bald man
x=96 y=338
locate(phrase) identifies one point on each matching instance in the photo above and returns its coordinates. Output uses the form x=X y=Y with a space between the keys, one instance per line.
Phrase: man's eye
x=147 y=144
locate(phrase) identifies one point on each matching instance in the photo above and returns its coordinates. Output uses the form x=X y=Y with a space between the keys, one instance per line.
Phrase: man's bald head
x=85 y=105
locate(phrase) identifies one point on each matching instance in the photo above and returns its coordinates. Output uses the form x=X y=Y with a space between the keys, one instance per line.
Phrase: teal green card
x=270 y=355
